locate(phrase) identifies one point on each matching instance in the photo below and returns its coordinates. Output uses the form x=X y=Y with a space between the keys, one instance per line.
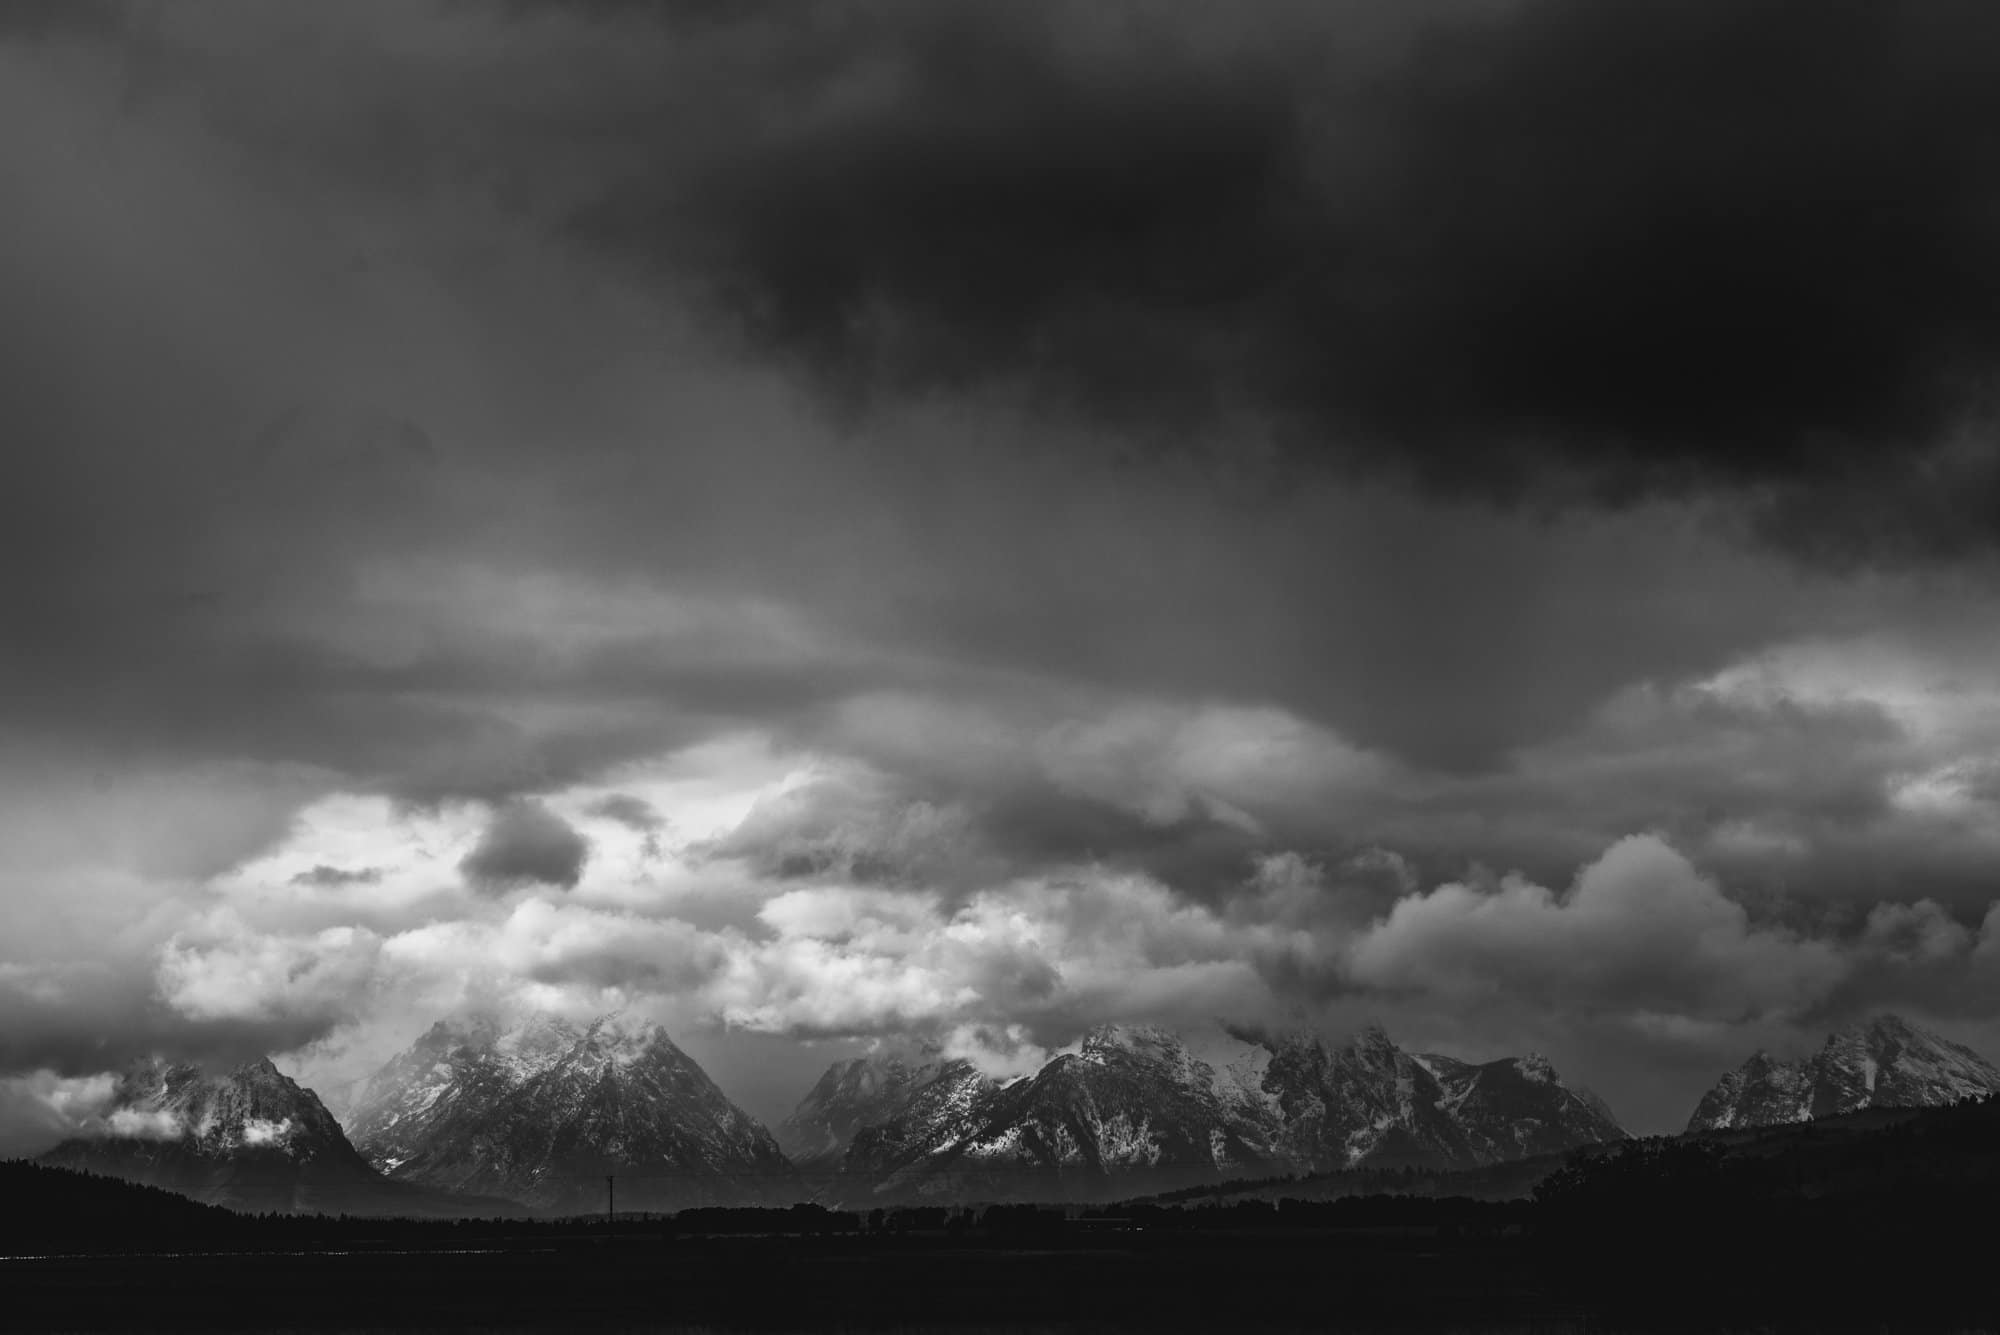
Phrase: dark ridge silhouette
x=1897 y=1204
x=52 y=1209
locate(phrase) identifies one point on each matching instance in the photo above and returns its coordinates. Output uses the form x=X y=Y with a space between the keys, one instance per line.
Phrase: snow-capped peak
x=540 y=1110
x=1884 y=1061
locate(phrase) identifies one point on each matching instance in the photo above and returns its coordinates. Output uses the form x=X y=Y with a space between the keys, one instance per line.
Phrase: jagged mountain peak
x=540 y=1109
x=217 y=1113
x=1887 y=1024
x=1885 y=1028
x=1119 y=1035
x=1534 y=1066
x=870 y=1090
x=1881 y=1061
x=1371 y=1037
x=1150 y=1042
x=249 y=1137
x=540 y=1027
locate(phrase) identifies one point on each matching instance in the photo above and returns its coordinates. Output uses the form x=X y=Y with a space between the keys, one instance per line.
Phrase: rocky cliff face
x=1518 y=1107
x=542 y=1113
x=249 y=1138
x=1139 y=1108
x=858 y=1093
x=1886 y=1062
x=457 y=1068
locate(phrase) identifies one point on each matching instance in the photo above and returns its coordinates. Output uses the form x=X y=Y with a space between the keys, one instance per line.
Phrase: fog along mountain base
x=476 y=1117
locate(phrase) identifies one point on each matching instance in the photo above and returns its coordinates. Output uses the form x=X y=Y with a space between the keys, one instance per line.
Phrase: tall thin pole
x=610 y=1197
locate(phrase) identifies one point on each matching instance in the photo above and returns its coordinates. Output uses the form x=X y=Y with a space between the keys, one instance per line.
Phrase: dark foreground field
x=1335 y=1279
x=1207 y=1281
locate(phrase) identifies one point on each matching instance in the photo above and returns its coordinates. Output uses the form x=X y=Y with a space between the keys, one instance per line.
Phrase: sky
x=826 y=524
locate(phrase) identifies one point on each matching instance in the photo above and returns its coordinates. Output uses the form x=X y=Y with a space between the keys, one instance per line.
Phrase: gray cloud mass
x=526 y=844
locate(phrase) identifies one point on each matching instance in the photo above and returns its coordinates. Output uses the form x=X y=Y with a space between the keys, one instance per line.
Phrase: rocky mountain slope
x=1139 y=1108
x=1519 y=1108
x=1886 y=1062
x=249 y=1138
x=543 y=1112
x=860 y=1093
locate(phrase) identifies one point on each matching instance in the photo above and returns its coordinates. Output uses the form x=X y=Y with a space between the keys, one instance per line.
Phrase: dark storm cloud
x=1529 y=251
x=958 y=844
x=634 y=813
x=41 y=18
x=859 y=825
x=526 y=844
x=323 y=877
x=77 y=1019
x=306 y=252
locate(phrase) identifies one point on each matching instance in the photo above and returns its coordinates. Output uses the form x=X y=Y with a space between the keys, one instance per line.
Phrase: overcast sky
x=971 y=519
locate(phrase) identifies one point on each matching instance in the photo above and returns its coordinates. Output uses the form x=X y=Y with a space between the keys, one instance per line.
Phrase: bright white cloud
x=145 y=1124
x=259 y=1131
x=1165 y=762
x=237 y=973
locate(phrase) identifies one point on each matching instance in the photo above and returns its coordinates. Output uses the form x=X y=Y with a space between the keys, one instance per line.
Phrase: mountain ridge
x=1881 y=1062
x=1144 y=1108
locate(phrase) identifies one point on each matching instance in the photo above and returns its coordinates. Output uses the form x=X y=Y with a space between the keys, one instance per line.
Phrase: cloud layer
x=1507 y=250
x=989 y=517
x=1641 y=948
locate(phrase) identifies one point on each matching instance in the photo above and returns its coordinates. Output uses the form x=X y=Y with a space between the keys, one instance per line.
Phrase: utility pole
x=610 y=1197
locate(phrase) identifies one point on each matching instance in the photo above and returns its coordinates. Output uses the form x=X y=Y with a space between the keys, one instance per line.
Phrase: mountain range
x=477 y=1116
x=1885 y=1062
x=1140 y=1108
